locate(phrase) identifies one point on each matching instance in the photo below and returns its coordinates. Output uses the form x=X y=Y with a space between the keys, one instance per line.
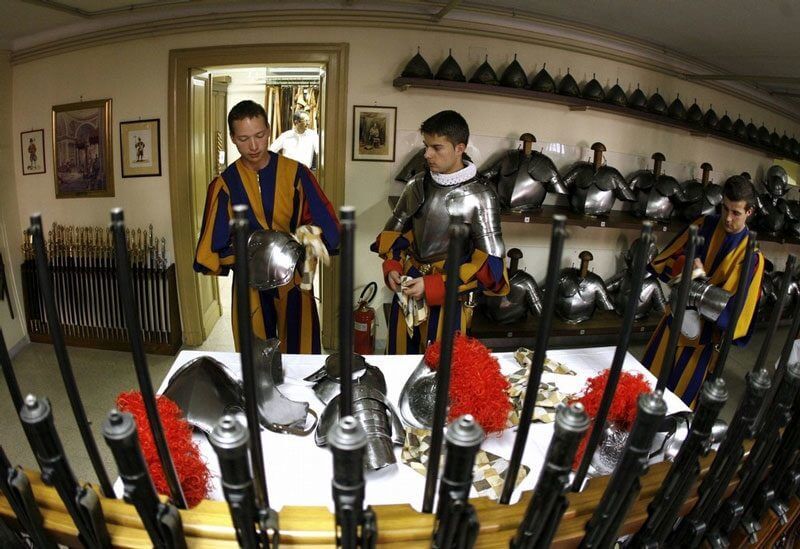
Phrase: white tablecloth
x=299 y=473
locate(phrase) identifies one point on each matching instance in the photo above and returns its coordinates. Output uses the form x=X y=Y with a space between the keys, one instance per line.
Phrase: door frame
x=334 y=57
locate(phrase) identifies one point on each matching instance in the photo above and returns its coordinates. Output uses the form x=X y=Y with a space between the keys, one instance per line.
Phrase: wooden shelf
x=617 y=219
x=581 y=104
x=602 y=328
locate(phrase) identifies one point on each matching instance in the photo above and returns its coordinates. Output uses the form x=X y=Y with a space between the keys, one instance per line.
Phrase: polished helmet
x=656 y=104
x=273 y=257
x=514 y=76
x=417 y=68
x=637 y=99
x=710 y=119
x=450 y=70
x=568 y=86
x=593 y=90
x=725 y=123
x=676 y=109
x=616 y=96
x=543 y=82
x=485 y=74
x=694 y=114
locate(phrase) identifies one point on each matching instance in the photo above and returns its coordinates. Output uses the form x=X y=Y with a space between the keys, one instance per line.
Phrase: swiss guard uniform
x=414 y=243
x=282 y=197
x=722 y=255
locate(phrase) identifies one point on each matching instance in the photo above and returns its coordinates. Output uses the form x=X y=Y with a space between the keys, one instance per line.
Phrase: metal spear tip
x=347 y=434
x=464 y=431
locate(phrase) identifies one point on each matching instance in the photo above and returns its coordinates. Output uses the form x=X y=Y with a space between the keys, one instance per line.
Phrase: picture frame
x=82 y=157
x=374 y=133
x=140 y=147
x=31 y=147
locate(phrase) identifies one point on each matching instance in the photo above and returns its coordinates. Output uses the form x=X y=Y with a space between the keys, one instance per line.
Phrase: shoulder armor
x=411 y=200
x=642 y=180
x=667 y=186
x=476 y=203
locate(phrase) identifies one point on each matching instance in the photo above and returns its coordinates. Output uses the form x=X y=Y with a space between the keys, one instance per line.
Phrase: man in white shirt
x=300 y=143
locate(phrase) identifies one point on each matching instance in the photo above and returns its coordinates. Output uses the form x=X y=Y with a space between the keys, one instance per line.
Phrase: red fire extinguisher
x=364 y=322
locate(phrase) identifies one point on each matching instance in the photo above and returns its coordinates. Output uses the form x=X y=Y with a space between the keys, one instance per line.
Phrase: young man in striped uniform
x=720 y=257
x=414 y=241
x=282 y=195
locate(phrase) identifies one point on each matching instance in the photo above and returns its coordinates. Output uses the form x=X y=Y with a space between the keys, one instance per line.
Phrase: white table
x=299 y=473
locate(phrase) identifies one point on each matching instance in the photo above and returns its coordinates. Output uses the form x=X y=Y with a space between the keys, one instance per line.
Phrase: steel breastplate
x=577 y=296
x=523 y=181
x=645 y=303
x=592 y=193
x=430 y=224
x=524 y=296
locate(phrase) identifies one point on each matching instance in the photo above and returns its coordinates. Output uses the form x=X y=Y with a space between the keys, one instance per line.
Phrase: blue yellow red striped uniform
x=478 y=271
x=722 y=255
x=282 y=196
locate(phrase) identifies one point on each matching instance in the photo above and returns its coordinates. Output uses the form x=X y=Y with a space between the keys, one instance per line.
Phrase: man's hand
x=698 y=264
x=415 y=288
x=393 y=279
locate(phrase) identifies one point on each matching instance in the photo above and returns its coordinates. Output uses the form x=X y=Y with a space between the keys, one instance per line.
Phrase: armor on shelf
x=656 y=104
x=273 y=257
x=725 y=124
x=772 y=207
x=616 y=96
x=524 y=295
x=593 y=90
x=699 y=198
x=637 y=99
x=593 y=187
x=485 y=74
x=694 y=114
x=568 y=86
x=580 y=292
x=655 y=192
x=417 y=68
x=650 y=298
x=676 y=109
x=543 y=82
x=450 y=70
x=429 y=206
x=523 y=177
x=514 y=76
x=710 y=119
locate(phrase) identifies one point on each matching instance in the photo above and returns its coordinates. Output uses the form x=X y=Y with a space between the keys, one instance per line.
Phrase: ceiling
x=737 y=37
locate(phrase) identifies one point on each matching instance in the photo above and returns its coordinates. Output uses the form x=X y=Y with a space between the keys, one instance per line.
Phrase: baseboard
x=21 y=344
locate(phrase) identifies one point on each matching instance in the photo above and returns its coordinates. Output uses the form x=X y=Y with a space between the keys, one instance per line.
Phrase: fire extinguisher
x=364 y=322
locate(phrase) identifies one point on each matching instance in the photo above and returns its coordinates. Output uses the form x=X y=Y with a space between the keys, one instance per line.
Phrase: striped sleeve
x=317 y=209
x=744 y=326
x=214 y=254
x=668 y=264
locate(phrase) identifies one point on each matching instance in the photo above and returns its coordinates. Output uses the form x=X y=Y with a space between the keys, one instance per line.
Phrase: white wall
x=134 y=75
x=10 y=231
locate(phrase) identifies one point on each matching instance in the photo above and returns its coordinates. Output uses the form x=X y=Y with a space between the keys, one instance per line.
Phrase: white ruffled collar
x=451 y=179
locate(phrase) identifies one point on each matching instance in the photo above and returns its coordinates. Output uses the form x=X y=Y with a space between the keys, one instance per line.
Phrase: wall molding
x=472 y=21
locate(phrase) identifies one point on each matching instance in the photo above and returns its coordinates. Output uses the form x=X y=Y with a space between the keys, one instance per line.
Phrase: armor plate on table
x=272 y=257
x=522 y=182
x=524 y=296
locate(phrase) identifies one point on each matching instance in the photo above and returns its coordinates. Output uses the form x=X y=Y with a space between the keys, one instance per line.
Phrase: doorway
x=192 y=158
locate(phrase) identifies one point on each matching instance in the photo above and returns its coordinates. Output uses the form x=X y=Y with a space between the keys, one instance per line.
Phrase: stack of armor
x=699 y=198
x=773 y=209
x=593 y=187
x=650 y=298
x=524 y=295
x=580 y=292
x=655 y=192
x=523 y=177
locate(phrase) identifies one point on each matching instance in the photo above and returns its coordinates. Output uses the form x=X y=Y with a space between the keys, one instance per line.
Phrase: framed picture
x=375 y=133
x=140 y=147
x=82 y=149
x=31 y=145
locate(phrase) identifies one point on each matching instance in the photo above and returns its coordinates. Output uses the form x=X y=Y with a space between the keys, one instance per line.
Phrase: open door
x=201 y=166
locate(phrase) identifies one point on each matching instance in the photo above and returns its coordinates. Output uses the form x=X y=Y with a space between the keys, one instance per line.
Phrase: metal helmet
x=514 y=76
x=775 y=140
x=616 y=96
x=795 y=146
x=764 y=136
x=784 y=146
x=273 y=257
x=485 y=74
x=568 y=86
x=450 y=70
x=656 y=104
x=543 y=82
x=676 y=109
x=710 y=119
x=740 y=129
x=593 y=90
x=417 y=68
x=204 y=390
x=725 y=123
x=637 y=99
x=752 y=132
x=777 y=181
x=694 y=114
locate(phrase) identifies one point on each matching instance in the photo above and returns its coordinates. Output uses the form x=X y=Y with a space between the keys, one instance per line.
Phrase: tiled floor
x=101 y=375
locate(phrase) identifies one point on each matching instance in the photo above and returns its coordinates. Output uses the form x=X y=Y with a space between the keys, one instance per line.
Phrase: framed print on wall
x=374 y=133
x=31 y=146
x=82 y=149
x=140 y=147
